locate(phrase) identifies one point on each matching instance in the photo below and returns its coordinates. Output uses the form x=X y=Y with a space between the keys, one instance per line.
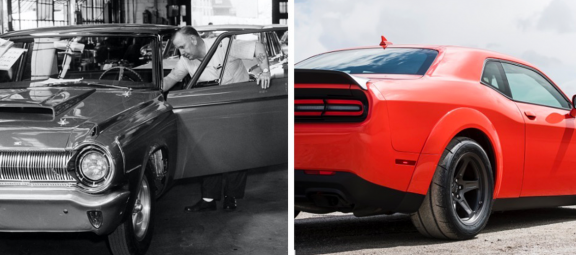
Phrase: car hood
x=50 y=117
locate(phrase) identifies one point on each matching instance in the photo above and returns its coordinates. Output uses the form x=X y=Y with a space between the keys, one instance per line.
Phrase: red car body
x=393 y=153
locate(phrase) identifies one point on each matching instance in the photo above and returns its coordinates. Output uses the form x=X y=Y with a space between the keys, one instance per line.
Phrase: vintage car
x=88 y=140
x=447 y=134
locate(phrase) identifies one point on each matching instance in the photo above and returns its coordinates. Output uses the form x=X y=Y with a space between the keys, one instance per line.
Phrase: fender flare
x=156 y=145
x=134 y=187
x=442 y=133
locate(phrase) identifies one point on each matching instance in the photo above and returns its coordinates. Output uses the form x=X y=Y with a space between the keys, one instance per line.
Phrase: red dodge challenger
x=447 y=134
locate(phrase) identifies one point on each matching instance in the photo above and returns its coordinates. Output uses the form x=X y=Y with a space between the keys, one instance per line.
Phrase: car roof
x=133 y=29
x=130 y=29
x=443 y=66
x=231 y=27
x=449 y=48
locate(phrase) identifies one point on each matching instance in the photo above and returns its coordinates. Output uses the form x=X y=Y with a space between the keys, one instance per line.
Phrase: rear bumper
x=347 y=192
x=25 y=209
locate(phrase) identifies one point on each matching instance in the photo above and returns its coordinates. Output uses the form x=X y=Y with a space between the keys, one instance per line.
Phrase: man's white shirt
x=235 y=71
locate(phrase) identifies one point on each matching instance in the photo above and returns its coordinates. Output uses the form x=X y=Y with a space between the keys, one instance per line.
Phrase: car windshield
x=378 y=60
x=75 y=61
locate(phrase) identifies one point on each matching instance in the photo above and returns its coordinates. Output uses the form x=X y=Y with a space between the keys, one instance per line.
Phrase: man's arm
x=168 y=83
x=260 y=55
x=176 y=75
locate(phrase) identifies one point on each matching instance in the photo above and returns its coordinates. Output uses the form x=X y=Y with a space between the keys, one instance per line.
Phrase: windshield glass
x=75 y=60
x=378 y=60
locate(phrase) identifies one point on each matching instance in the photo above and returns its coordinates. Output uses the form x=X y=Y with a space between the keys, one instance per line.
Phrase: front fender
x=443 y=132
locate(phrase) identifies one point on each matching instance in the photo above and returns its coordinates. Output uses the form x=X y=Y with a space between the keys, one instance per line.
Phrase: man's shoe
x=201 y=206
x=229 y=203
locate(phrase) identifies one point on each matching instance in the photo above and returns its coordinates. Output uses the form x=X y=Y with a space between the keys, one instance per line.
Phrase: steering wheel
x=123 y=71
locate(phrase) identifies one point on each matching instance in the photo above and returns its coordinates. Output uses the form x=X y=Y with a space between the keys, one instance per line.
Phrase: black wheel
x=134 y=235
x=459 y=200
x=124 y=73
x=296 y=212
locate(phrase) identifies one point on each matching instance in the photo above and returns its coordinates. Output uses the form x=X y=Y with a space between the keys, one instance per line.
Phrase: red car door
x=550 y=143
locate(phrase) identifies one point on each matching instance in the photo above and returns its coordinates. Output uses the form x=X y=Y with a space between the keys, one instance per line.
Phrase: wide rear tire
x=134 y=235
x=459 y=200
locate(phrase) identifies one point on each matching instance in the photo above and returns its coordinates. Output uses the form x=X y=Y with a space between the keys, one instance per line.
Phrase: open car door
x=237 y=126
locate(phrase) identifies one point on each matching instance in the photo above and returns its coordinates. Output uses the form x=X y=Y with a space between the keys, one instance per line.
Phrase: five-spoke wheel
x=459 y=200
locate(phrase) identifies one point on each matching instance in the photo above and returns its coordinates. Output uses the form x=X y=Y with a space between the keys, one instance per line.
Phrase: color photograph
x=434 y=127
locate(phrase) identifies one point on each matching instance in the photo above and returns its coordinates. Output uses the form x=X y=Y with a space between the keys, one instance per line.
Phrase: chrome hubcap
x=141 y=210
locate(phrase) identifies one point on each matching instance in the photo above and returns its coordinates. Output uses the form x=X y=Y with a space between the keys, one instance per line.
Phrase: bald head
x=188 y=42
x=188 y=31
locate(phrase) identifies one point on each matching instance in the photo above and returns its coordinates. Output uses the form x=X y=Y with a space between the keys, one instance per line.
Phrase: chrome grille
x=34 y=166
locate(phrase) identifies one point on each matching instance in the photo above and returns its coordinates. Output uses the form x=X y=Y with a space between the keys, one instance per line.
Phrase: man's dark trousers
x=234 y=186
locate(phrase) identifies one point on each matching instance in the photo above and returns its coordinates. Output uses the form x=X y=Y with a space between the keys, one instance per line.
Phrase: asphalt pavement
x=538 y=231
x=258 y=226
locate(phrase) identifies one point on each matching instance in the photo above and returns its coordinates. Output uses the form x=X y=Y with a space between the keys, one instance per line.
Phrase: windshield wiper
x=59 y=82
x=53 y=82
x=107 y=85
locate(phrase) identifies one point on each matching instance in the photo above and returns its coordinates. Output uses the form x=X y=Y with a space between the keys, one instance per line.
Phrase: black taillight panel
x=330 y=105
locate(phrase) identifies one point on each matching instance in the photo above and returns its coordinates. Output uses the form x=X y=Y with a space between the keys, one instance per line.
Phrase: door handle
x=530 y=115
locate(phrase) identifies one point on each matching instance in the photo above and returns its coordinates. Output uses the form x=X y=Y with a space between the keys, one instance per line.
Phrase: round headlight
x=94 y=165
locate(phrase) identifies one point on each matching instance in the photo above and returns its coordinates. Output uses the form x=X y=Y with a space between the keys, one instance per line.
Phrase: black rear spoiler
x=314 y=76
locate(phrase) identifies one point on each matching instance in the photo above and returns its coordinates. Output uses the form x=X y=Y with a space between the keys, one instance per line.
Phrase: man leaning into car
x=193 y=50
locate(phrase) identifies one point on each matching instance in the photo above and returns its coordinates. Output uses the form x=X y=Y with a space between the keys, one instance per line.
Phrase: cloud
x=539 y=31
x=540 y=60
x=558 y=16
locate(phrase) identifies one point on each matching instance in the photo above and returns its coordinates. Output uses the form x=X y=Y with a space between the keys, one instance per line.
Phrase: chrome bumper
x=57 y=209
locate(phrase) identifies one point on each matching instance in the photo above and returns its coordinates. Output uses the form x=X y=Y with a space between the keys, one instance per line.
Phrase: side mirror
x=573 y=111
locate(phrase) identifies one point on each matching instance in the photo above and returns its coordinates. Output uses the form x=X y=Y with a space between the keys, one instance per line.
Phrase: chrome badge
x=63 y=122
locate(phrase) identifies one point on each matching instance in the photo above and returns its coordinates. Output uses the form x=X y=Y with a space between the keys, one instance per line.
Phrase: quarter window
x=492 y=75
x=529 y=86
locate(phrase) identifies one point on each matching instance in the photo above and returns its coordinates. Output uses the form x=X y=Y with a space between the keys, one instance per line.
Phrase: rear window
x=380 y=61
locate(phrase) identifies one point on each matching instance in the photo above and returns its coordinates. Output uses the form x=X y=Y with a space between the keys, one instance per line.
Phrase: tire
x=296 y=212
x=159 y=163
x=459 y=200
x=134 y=235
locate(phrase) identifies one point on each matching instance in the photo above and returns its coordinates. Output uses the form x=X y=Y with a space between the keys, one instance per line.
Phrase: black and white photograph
x=133 y=127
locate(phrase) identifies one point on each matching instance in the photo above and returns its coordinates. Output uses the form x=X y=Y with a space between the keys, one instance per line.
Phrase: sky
x=542 y=32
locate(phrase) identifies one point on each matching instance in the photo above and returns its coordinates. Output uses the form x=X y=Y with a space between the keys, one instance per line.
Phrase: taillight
x=328 y=107
x=336 y=107
x=309 y=107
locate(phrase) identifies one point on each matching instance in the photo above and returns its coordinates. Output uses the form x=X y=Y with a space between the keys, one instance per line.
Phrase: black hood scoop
x=39 y=104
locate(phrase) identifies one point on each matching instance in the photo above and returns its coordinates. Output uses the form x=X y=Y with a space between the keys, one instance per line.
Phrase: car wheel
x=459 y=200
x=134 y=235
x=296 y=212
x=159 y=163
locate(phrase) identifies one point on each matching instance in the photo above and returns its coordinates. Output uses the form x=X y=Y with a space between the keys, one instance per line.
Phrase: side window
x=241 y=63
x=492 y=75
x=212 y=74
x=529 y=86
x=234 y=59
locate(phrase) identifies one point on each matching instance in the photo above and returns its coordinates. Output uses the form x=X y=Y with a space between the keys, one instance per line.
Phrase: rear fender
x=443 y=132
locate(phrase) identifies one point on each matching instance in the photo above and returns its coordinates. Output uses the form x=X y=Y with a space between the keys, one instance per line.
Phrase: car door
x=224 y=128
x=550 y=152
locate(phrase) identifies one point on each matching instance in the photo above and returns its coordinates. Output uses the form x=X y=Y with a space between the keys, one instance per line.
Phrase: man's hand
x=260 y=55
x=263 y=80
